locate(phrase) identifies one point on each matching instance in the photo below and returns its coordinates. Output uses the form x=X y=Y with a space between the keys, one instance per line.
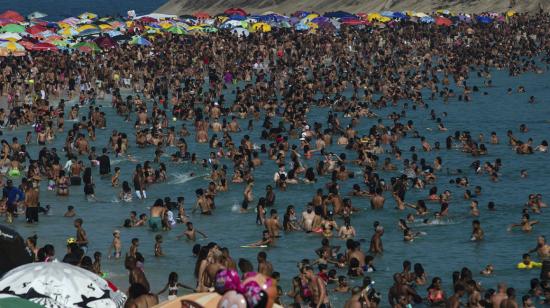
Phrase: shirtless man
x=355 y=300
x=272 y=224
x=317 y=286
x=191 y=232
x=136 y=274
x=264 y=267
x=307 y=218
x=248 y=195
x=525 y=224
x=400 y=288
x=377 y=201
x=510 y=301
x=499 y=296
x=454 y=300
x=216 y=264
x=376 y=241
x=202 y=203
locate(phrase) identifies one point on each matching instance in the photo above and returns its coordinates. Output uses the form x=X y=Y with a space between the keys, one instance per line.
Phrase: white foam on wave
x=181 y=178
x=236 y=207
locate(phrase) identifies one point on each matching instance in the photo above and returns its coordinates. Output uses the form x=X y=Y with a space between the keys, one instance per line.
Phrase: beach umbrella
x=28 y=45
x=400 y=15
x=13 y=28
x=89 y=32
x=240 y=32
x=104 y=27
x=235 y=11
x=442 y=21
x=231 y=24
x=261 y=27
x=339 y=14
x=36 y=29
x=36 y=15
x=105 y=42
x=301 y=27
x=14 y=250
x=374 y=17
x=10 y=36
x=85 y=27
x=86 y=46
x=354 y=22
x=147 y=19
x=387 y=14
x=427 y=20
x=484 y=19
x=511 y=13
x=7 y=300
x=56 y=284
x=11 y=46
x=443 y=12
x=12 y=15
x=175 y=30
x=43 y=46
x=114 y=33
x=201 y=15
x=70 y=31
x=139 y=40
x=87 y=15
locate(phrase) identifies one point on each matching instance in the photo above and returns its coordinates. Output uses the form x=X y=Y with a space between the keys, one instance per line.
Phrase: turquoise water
x=444 y=249
x=57 y=10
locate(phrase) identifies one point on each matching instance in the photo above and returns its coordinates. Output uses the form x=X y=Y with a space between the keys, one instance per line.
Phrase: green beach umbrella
x=86 y=46
x=13 y=28
x=17 y=302
x=175 y=30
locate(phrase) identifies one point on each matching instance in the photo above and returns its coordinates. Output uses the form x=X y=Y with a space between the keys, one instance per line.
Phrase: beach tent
x=13 y=28
x=43 y=46
x=56 y=284
x=13 y=15
x=14 y=250
x=442 y=21
x=36 y=15
x=235 y=11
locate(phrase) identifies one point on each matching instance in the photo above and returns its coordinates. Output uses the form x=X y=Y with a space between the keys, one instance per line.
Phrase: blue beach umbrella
x=484 y=19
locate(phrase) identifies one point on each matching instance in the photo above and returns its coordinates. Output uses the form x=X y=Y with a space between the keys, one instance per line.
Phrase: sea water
x=445 y=247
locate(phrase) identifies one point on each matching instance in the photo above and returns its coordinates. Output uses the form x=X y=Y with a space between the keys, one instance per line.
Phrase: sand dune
x=288 y=6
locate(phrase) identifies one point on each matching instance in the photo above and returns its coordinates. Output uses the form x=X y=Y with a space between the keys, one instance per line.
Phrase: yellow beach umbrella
x=312 y=25
x=261 y=27
x=165 y=25
x=312 y=16
x=511 y=13
x=87 y=15
x=105 y=27
x=85 y=27
x=374 y=17
x=69 y=31
x=11 y=46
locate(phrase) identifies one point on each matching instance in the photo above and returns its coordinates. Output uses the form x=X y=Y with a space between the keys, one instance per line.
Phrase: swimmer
x=265 y=241
x=477 y=232
x=488 y=270
x=116 y=246
x=191 y=232
x=70 y=212
x=525 y=224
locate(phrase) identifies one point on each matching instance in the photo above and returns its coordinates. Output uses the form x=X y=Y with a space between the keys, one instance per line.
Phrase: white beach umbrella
x=56 y=284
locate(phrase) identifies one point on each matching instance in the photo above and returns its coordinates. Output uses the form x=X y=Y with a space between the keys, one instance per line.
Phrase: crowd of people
x=278 y=78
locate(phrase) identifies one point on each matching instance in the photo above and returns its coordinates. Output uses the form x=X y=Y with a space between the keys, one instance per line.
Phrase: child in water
x=158 y=248
x=172 y=286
